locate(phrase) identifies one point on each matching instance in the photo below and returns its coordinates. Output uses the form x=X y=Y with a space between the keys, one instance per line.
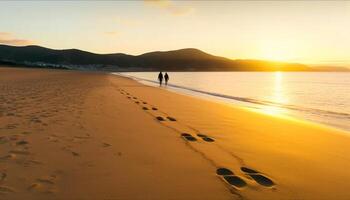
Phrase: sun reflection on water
x=278 y=97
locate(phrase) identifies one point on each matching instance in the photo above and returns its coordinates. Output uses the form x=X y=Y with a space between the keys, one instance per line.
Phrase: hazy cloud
x=10 y=39
x=169 y=6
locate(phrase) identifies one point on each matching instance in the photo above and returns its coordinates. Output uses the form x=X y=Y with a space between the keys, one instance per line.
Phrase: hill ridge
x=186 y=59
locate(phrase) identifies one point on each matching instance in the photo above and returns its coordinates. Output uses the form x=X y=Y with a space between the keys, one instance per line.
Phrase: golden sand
x=76 y=135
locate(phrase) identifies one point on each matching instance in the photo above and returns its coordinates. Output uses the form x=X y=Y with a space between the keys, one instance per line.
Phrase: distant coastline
x=189 y=59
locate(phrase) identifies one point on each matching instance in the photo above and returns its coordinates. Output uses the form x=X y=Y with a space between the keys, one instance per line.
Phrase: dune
x=85 y=135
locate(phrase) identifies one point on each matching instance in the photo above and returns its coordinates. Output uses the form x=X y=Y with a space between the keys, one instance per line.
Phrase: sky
x=310 y=32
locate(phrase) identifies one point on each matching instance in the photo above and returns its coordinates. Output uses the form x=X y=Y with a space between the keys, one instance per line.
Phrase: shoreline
x=244 y=108
x=73 y=135
x=255 y=107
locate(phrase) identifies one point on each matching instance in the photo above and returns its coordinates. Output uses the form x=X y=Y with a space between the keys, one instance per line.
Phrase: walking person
x=160 y=78
x=166 y=77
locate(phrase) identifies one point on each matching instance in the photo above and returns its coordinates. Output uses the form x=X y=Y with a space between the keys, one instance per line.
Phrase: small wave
x=253 y=101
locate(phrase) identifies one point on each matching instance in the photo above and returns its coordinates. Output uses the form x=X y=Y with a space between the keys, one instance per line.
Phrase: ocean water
x=315 y=96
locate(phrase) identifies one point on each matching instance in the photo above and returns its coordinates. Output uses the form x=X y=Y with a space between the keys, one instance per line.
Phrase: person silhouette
x=160 y=78
x=166 y=77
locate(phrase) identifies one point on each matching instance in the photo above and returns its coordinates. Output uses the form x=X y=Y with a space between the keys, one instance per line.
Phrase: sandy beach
x=83 y=135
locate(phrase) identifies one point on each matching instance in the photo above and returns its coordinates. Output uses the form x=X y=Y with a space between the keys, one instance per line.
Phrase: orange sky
x=296 y=31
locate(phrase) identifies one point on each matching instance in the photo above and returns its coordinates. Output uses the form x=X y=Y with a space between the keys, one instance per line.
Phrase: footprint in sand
x=144 y=102
x=171 y=119
x=205 y=138
x=160 y=118
x=22 y=142
x=144 y=108
x=137 y=102
x=229 y=177
x=134 y=97
x=75 y=153
x=106 y=144
x=188 y=137
x=235 y=181
x=154 y=108
x=223 y=172
x=258 y=177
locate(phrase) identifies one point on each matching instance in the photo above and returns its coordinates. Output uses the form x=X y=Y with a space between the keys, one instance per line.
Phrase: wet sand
x=81 y=135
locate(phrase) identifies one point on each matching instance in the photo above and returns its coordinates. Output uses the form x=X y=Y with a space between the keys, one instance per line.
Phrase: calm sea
x=315 y=96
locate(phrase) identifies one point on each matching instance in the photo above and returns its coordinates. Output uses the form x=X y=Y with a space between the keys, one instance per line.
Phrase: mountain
x=178 y=60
